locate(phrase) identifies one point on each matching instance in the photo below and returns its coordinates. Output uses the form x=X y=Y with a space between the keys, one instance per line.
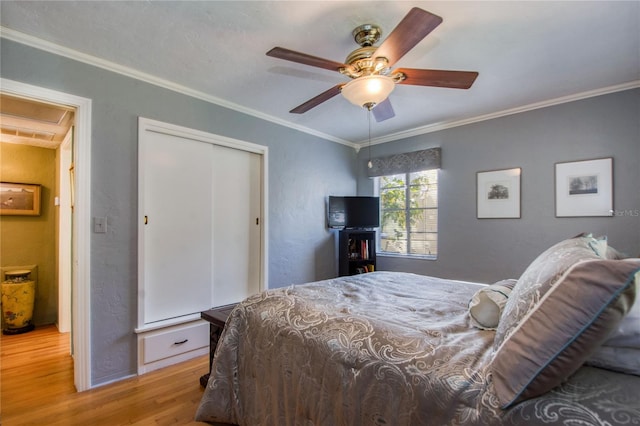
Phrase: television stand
x=356 y=251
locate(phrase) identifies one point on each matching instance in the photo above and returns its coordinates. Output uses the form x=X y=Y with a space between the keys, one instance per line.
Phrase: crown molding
x=66 y=52
x=538 y=105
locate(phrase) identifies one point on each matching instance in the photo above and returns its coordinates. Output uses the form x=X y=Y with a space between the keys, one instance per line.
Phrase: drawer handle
x=180 y=343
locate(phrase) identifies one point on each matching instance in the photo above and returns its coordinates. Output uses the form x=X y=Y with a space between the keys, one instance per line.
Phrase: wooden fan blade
x=383 y=111
x=303 y=58
x=414 y=27
x=314 y=102
x=438 y=78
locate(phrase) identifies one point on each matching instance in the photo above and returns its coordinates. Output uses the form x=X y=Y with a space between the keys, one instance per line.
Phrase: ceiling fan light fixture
x=367 y=90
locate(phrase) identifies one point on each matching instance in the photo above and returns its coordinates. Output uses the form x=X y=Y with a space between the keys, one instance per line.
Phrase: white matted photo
x=498 y=194
x=584 y=188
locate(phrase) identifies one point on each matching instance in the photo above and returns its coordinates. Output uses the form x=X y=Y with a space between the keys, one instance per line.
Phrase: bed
x=393 y=348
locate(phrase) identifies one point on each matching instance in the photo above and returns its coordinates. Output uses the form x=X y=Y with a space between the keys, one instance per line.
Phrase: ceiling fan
x=369 y=67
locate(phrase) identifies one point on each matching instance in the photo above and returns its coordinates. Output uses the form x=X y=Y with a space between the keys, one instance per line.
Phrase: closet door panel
x=178 y=230
x=237 y=222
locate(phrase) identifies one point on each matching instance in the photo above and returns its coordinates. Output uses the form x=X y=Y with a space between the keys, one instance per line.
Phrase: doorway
x=80 y=238
x=39 y=138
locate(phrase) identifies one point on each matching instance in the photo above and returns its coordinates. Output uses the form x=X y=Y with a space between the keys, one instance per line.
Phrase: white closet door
x=178 y=230
x=237 y=222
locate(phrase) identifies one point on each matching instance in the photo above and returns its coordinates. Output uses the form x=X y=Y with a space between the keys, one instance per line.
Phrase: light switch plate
x=100 y=225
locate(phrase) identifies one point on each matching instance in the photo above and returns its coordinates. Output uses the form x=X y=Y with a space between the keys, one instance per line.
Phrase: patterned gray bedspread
x=383 y=348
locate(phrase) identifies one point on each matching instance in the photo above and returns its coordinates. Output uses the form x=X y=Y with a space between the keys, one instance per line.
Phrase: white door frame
x=65 y=233
x=81 y=279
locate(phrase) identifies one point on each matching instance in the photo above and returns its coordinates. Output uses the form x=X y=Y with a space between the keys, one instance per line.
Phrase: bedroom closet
x=201 y=235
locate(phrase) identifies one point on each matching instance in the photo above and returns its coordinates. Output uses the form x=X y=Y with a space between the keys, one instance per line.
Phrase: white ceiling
x=528 y=54
x=26 y=122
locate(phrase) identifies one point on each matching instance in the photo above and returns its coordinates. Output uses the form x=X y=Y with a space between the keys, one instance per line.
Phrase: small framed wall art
x=498 y=194
x=584 y=188
x=19 y=199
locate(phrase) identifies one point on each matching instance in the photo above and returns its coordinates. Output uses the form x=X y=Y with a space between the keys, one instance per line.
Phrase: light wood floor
x=36 y=388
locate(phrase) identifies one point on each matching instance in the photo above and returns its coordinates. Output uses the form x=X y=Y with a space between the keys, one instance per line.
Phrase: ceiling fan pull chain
x=369 y=164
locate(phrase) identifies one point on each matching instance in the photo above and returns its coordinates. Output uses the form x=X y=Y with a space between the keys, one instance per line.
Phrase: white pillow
x=485 y=307
x=599 y=245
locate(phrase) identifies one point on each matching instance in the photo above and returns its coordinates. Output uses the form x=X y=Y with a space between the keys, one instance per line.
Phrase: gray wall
x=488 y=250
x=303 y=170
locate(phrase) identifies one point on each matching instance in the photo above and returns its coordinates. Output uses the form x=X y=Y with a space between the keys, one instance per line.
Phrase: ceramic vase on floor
x=18 y=297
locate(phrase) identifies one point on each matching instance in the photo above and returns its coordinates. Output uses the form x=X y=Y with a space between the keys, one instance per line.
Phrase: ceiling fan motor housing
x=367 y=34
x=361 y=61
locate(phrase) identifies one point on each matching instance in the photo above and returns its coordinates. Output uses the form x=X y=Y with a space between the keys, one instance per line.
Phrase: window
x=409 y=214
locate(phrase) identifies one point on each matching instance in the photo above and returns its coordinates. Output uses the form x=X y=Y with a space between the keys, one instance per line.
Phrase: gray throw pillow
x=561 y=329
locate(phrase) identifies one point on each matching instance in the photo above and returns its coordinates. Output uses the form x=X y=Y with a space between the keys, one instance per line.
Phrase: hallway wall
x=31 y=240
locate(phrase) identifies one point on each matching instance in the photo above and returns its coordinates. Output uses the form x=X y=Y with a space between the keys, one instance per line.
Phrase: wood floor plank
x=36 y=387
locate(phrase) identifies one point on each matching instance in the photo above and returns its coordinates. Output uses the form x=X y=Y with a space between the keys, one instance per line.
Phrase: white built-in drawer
x=177 y=340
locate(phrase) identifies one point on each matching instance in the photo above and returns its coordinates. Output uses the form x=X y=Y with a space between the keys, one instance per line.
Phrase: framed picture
x=498 y=194
x=584 y=188
x=19 y=199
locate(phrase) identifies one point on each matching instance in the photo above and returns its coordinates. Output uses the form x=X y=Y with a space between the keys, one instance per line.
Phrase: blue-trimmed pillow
x=563 y=328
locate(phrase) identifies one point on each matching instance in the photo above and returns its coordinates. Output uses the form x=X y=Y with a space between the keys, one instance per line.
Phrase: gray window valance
x=407 y=162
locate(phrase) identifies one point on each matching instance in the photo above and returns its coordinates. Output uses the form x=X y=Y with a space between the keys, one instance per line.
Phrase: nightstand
x=217 y=317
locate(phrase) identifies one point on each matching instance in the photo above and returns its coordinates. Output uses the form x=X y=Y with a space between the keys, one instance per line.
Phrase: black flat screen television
x=353 y=212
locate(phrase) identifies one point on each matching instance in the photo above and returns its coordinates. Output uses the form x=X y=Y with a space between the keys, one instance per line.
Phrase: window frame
x=407 y=209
